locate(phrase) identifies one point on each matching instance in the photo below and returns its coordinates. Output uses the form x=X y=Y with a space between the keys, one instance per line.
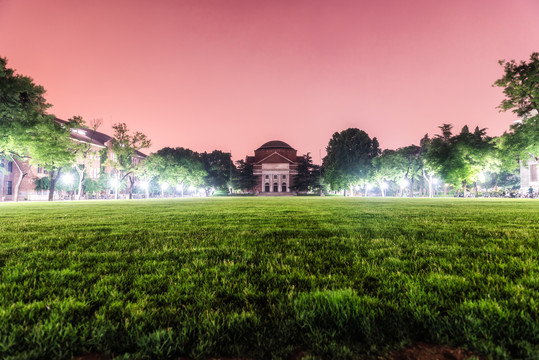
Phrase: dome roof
x=275 y=144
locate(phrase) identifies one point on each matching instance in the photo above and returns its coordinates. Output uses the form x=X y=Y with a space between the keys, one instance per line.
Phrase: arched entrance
x=267 y=188
x=275 y=187
x=283 y=187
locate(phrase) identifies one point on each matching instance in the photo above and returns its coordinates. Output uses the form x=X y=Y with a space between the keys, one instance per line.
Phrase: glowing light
x=384 y=185
x=67 y=179
x=192 y=188
x=114 y=182
x=164 y=186
x=481 y=177
x=144 y=185
x=403 y=183
x=179 y=187
x=435 y=181
x=368 y=186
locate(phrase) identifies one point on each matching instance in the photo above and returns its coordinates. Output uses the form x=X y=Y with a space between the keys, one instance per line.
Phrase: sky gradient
x=231 y=75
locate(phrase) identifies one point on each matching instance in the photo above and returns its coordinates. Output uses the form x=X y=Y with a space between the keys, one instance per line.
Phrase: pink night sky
x=231 y=75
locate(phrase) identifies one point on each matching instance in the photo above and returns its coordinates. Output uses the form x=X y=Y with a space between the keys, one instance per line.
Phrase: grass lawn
x=263 y=277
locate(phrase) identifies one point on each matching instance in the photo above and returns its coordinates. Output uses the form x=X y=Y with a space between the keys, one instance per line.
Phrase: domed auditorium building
x=275 y=165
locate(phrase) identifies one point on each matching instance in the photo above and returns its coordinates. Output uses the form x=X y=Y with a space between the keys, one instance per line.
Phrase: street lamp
x=67 y=179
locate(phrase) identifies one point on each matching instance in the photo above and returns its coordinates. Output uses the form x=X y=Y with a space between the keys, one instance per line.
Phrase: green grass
x=261 y=277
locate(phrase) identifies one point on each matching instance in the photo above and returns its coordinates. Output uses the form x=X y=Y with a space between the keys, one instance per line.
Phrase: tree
x=460 y=159
x=308 y=176
x=387 y=167
x=147 y=171
x=218 y=166
x=349 y=158
x=178 y=167
x=22 y=108
x=125 y=149
x=410 y=162
x=521 y=88
x=84 y=153
x=244 y=178
x=427 y=170
x=53 y=149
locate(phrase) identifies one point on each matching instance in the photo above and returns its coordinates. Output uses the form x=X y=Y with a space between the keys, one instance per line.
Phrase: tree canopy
x=349 y=158
x=520 y=83
x=125 y=148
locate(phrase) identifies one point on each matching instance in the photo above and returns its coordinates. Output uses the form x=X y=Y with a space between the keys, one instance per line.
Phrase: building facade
x=275 y=165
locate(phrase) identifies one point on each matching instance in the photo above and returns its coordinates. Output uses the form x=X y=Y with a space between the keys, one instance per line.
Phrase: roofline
x=275 y=152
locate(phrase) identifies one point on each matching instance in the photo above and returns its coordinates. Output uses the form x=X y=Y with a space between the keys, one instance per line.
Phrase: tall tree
x=308 y=177
x=349 y=158
x=427 y=170
x=410 y=161
x=521 y=86
x=219 y=167
x=520 y=83
x=460 y=159
x=243 y=178
x=84 y=152
x=53 y=148
x=125 y=149
x=22 y=108
x=387 y=167
x=179 y=167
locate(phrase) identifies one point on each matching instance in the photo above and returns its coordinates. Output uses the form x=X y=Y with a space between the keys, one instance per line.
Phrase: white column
x=288 y=182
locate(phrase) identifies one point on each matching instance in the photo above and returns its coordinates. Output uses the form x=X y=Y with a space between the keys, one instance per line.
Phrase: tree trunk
x=19 y=181
x=382 y=190
x=81 y=179
x=429 y=181
x=53 y=180
x=131 y=180
x=411 y=182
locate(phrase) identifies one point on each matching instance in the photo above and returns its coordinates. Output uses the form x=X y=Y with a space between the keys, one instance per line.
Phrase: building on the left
x=95 y=164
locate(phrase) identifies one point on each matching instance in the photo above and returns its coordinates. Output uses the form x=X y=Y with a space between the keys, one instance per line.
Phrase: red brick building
x=275 y=165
